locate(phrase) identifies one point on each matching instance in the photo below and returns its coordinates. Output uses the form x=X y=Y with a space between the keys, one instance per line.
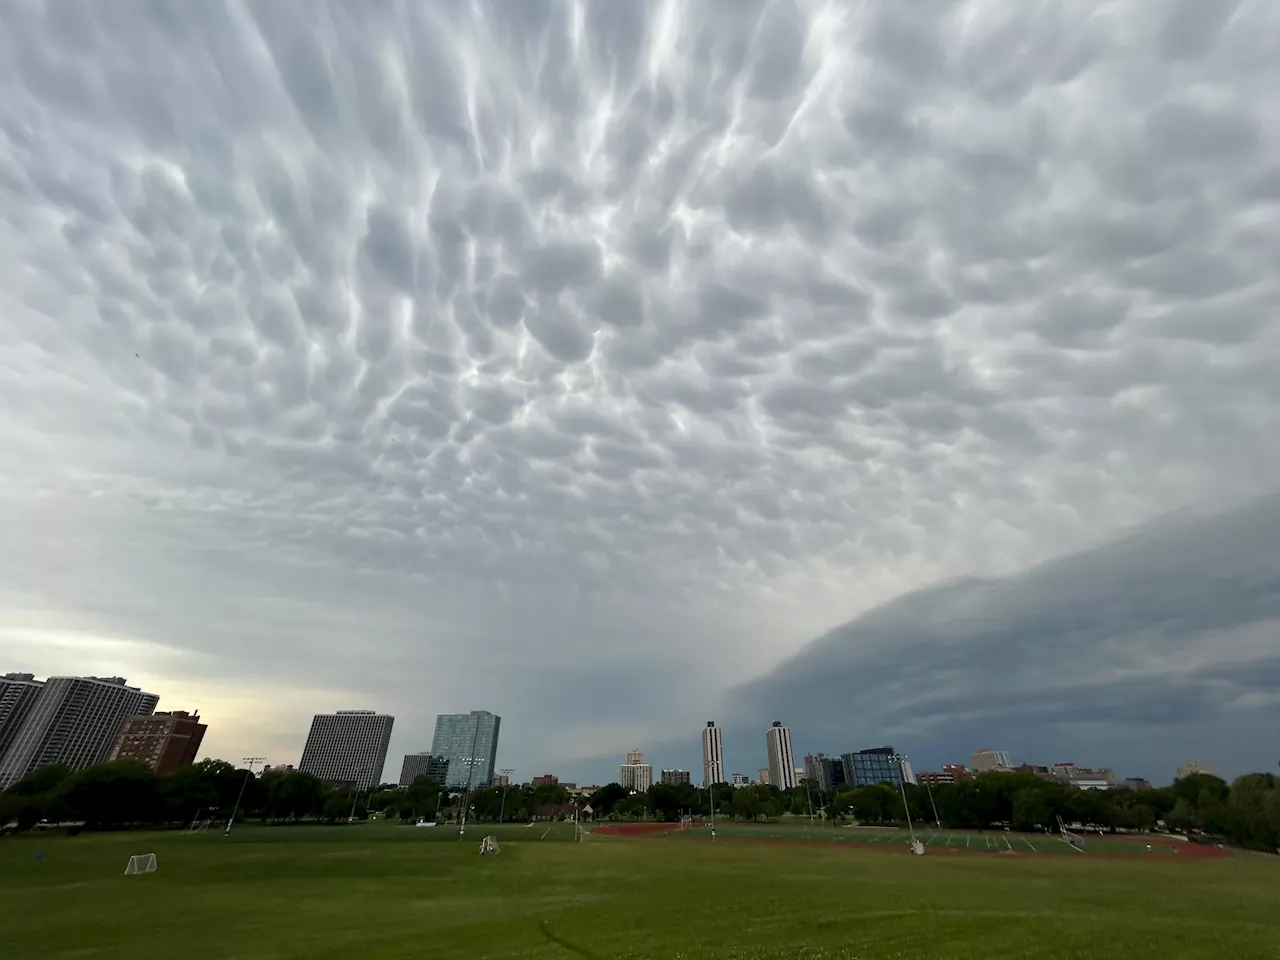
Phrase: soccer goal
x=1073 y=840
x=198 y=826
x=488 y=845
x=143 y=863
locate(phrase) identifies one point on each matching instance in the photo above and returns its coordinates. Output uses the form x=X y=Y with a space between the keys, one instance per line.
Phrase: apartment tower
x=712 y=755
x=18 y=692
x=347 y=748
x=469 y=741
x=163 y=741
x=72 y=721
x=782 y=764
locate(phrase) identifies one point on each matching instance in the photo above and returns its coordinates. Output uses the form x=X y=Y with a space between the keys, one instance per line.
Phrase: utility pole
x=249 y=762
x=471 y=772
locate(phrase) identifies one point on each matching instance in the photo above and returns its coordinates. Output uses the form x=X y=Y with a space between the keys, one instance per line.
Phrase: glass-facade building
x=469 y=742
x=869 y=767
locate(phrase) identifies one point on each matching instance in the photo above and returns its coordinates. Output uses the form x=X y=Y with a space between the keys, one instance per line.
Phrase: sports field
x=382 y=891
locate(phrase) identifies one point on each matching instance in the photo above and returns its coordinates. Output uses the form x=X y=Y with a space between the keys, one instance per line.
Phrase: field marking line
x=1030 y=844
x=545 y=832
x=949 y=839
x=967 y=838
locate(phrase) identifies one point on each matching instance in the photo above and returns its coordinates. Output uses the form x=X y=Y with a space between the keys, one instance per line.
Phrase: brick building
x=165 y=741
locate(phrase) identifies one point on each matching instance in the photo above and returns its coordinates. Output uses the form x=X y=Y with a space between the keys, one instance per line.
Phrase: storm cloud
x=581 y=361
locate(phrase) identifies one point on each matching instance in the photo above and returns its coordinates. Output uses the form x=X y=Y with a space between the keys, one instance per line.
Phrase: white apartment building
x=782 y=763
x=712 y=755
x=18 y=693
x=347 y=748
x=635 y=774
x=72 y=721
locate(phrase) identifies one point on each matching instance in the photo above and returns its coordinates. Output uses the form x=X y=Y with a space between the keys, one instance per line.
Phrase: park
x=383 y=889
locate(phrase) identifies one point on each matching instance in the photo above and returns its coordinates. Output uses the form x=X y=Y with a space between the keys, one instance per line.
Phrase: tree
x=604 y=800
x=112 y=794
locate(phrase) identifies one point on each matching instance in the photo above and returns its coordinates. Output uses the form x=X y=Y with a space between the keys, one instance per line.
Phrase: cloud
x=1132 y=654
x=391 y=353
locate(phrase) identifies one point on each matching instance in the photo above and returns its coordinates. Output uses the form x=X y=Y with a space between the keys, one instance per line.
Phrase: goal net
x=488 y=845
x=198 y=826
x=1073 y=840
x=143 y=863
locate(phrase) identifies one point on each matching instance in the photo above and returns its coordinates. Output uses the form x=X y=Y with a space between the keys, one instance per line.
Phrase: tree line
x=125 y=793
x=1243 y=813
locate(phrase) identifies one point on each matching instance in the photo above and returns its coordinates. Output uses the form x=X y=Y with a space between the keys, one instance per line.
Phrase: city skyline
x=17 y=691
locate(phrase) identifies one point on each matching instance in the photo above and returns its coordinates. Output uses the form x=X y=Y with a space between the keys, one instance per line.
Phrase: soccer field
x=382 y=891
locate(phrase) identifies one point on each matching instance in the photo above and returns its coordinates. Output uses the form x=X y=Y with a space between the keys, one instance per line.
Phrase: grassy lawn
x=381 y=891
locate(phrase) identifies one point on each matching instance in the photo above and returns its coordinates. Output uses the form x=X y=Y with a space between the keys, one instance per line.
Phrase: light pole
x=902 y=785
x=711 y=793
x=250 y=762
x=471 y=770
x=505 y=773
x=936 y=819
x=354 y=797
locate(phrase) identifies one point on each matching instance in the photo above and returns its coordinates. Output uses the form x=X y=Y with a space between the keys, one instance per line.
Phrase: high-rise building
x=164 y=741
x=415 y=765
x=18 y=692
x=675 y=777
x=73 y=721
x=740 y=780
x=764 y=776
x=782 y=765
x=347 y=748
x=546 y=780
x=635 y=774
x=712 y=755
x=501 y=780
x=469 y=741
x=866 y=768
x=985 y=759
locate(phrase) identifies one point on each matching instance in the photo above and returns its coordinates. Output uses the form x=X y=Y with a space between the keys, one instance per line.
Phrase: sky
x=583 y=362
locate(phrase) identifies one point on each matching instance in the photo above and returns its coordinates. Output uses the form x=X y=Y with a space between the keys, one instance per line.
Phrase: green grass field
x=383 y=891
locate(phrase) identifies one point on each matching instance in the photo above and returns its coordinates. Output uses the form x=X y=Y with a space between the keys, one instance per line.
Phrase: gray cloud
x=408 y=354
x=1162 y=639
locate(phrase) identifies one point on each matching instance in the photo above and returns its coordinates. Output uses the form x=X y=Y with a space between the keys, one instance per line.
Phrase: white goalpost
x=1073 y=840
x=143 y=863
x=488 y=845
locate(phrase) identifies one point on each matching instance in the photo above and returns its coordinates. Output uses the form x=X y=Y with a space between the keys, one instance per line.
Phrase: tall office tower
x=763 y=776
x=435 y=769
x=712 y=755
x=635 y=774
x=163 y=741
x=782 y=765
x=469 y=741
x=18 y=691
x=675 y=777
x=347 y=748
x=74 y=721
x=866 y=768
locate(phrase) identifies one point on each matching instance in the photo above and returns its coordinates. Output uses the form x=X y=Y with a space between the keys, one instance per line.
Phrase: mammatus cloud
x=1144 y=652
x=576 y=359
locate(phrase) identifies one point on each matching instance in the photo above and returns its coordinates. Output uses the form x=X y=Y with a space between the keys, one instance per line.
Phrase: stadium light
x=505 y=773
x=902 y=785
x=250 y=762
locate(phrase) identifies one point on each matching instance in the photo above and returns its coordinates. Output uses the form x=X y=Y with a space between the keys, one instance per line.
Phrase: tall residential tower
x=712 y=755
x=347 y=748
x=469 y=742
x=782 y=765
x=74 y=721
